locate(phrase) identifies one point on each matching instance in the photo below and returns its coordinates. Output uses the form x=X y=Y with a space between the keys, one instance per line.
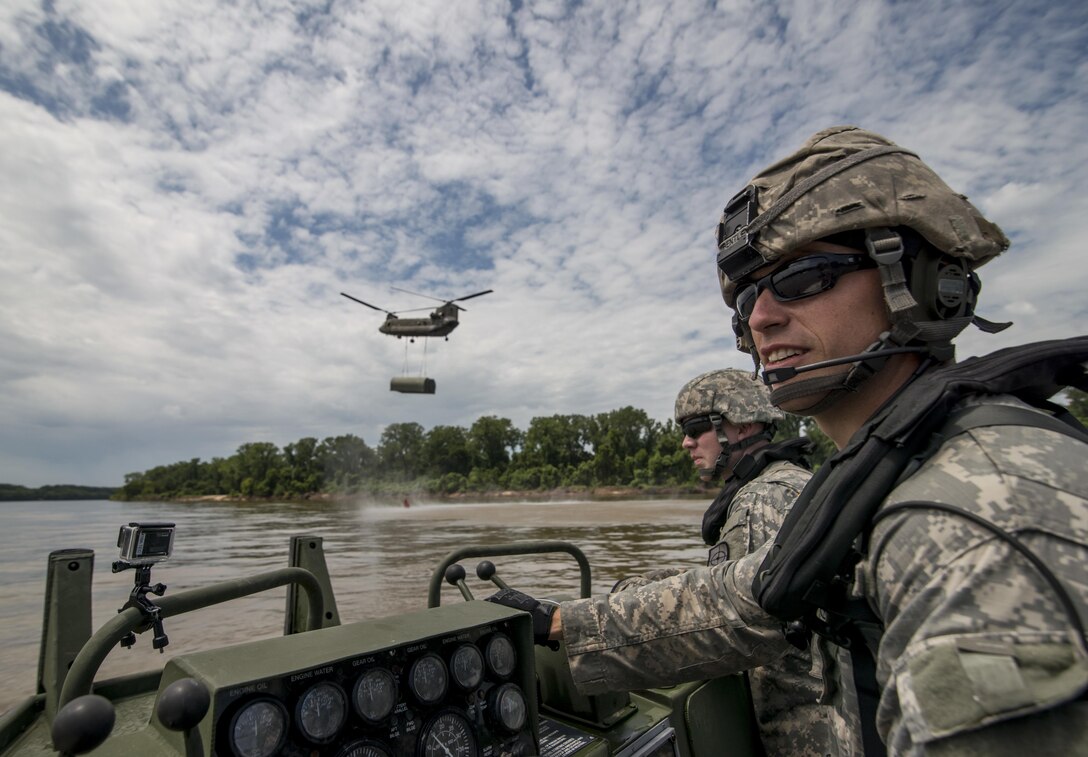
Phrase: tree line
x=16 y=493
x=623 y=447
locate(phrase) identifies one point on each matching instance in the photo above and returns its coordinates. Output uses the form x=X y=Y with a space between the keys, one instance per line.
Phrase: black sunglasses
x=697 y=426
x=799 y=279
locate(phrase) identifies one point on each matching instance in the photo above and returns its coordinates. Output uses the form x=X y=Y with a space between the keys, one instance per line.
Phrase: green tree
x=822 y=446
x=621 y=441
x=669 y=463
x=259 y=468
x=400 y=452
x=303 y=474
x=1078 y=404
x=789 y=427
x=446 y=450
x=492 y=442
x=561 y=441
x=345 y=462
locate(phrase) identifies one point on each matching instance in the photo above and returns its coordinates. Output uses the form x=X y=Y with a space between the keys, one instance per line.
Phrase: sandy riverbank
x=600 y=493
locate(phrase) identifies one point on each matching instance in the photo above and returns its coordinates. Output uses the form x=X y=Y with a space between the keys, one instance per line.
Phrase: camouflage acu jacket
x=979 y=656
x=786 y=693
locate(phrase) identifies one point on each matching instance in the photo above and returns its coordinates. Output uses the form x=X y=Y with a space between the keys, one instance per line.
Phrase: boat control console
x=461 y=685
x=461 y=680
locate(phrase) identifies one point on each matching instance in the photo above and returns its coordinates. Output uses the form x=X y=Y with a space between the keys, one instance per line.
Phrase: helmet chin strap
x=728 y=448
x=831 y=388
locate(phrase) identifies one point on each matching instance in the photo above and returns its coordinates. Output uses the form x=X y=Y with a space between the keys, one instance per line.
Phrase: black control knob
x=455 y=576
x=181 y=707
x=454 y=573
x=183 y=704
x=83 y=724
x=485 y=570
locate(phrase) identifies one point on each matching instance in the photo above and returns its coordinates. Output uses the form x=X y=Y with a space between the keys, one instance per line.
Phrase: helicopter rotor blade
x=372 y=307
x=470 y=296
x=417 y=294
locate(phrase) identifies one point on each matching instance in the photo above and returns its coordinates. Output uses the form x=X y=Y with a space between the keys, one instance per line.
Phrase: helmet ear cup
x=943 y=286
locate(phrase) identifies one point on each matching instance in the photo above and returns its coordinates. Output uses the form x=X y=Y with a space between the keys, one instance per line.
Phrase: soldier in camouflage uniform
x=850 y=268
x=729 y=423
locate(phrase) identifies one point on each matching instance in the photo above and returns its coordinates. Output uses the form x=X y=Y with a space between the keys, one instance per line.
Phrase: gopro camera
x=145 y=543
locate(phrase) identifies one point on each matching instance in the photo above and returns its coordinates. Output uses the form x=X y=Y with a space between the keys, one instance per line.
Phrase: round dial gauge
x=375 y=694
x=501 y=657
x=322 y=711
x=448 y=734
x=363 y=749
x=427 y=678
x=258 y=729
x=467 y=665
x=508 y=708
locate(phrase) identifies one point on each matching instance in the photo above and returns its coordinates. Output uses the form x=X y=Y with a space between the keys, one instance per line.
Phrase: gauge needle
x=443 y=746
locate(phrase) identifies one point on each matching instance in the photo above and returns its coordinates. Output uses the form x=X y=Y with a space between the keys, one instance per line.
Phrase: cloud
x=188 y=188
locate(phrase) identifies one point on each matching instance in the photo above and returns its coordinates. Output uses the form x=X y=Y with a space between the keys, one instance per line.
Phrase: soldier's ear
x=745 y=430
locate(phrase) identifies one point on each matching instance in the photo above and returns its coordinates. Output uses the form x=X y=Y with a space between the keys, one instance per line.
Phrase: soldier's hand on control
x=545 y=614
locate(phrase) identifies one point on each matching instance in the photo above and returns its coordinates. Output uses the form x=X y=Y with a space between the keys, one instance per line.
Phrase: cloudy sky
x=186 y=186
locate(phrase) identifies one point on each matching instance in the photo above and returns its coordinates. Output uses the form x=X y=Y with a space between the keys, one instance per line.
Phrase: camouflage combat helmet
x=926 y=239
x=728 y=396
x=734 y=394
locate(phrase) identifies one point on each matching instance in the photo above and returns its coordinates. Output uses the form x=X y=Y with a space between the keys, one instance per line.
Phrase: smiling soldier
x=941 y=554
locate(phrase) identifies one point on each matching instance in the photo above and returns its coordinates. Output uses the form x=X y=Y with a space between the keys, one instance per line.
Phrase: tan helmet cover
x=891 y=189
x=738 y=395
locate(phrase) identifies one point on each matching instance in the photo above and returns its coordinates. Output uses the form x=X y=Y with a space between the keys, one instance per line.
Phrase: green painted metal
x=66 y=622
x=434 y=590
x=307 y=552
x=81 y=675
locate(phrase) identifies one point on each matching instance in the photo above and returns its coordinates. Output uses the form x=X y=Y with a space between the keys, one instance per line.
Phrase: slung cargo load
x=412 y=385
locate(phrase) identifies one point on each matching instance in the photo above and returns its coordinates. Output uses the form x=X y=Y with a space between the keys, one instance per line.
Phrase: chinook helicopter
x=441 y=321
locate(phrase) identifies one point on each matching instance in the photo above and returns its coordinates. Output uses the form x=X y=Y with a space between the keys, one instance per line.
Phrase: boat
x=456 y=680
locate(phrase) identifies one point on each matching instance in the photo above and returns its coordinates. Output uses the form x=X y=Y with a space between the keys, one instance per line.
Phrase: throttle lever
x=455 y=576
x=485 y=571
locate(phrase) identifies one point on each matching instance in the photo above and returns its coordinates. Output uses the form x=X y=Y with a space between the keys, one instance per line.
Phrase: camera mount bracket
x=138 y=598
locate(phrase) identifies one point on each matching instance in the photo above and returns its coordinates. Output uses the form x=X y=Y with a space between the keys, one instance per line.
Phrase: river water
x=380 y=558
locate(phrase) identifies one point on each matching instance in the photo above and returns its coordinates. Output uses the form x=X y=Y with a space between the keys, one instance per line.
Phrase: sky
x=186 y=186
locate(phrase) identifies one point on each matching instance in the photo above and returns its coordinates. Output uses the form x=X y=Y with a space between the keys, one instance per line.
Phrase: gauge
x=364 y=749
x=501 y=656
x=375 y=694
x=427 y=678
x=322 y=711
x=506 y=705
x=467 y=666
x=258 y=729
x=448 y=734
